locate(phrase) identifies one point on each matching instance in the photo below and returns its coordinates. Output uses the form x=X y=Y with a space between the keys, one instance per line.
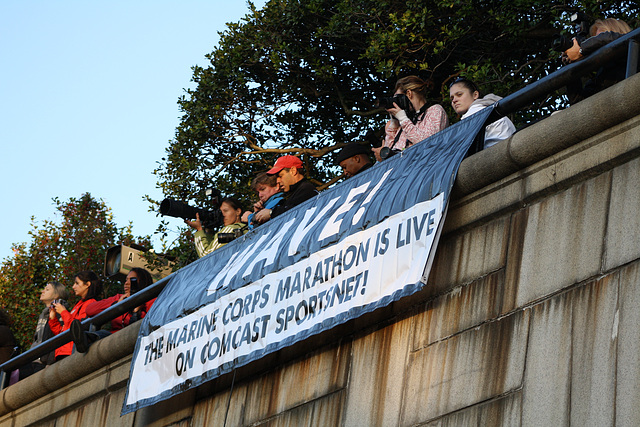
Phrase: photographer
x=137 y=279
x=602 y=32
x=232 y=213
x=88 y=287
x=412 y=120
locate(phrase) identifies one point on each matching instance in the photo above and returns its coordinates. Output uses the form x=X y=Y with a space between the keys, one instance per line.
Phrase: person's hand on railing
x=574 y=52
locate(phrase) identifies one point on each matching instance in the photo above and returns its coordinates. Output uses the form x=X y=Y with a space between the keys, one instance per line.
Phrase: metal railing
x=568 y=73
x=124 y=306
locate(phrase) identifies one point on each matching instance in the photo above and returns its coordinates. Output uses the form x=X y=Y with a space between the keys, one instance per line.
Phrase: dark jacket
x=299 y=192
x=607 y=75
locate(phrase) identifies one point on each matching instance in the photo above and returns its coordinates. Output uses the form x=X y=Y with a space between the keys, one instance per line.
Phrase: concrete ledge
x=75 y=367
x=550 y=136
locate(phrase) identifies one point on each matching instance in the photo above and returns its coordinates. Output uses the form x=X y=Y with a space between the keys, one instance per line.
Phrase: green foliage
x=302 y=77
x=56 y=252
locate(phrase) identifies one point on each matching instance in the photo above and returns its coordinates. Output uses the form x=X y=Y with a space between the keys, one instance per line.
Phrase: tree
x=302 y=77
x=56 y=252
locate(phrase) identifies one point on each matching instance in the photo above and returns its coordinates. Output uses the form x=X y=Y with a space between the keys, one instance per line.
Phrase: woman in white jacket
x=465 y=100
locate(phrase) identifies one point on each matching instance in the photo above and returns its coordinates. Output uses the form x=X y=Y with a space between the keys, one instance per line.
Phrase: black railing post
x=632 y=58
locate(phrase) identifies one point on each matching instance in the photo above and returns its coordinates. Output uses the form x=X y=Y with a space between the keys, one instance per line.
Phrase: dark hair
x=263 y=179
x=144 y=277
x=5 y=319
x=466 y=83
x=95 y=287
x=60 y=290
x=235 y=203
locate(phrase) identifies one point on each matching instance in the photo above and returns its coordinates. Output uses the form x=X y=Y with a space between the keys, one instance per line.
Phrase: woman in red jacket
x=88 y=287
x=137 y=279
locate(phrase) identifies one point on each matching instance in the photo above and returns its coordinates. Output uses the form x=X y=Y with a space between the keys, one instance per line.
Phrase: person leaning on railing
x=602 y=32
x=137 y=279
x=53 y=291
x=87 y=286
x=466 y=100
x=269 y=196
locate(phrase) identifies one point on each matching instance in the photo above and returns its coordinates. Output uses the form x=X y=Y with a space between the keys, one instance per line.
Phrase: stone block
x=463 y=308
x=312 y=377
x=547 y=383
x=623 y=227
x=377 y=375
x=562 y=240
x=462 y=258
x=119 y=374
x=219 y=410
x=627 y=377
x=304 y=380
x=323 y=412
x=472 y=367
x=113 y=407
x=55 y=404
x=593 y=359
x=505 y=411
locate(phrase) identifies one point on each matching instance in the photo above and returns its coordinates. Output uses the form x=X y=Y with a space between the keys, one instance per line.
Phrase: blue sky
x=89 y=101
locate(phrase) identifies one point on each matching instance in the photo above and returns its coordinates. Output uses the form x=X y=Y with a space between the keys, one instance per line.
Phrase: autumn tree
x=56 y=252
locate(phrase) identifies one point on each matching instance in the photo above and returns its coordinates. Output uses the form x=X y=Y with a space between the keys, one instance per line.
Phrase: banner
x=354 y=248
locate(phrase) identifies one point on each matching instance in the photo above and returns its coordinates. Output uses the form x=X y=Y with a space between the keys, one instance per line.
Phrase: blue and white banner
x=352 y=249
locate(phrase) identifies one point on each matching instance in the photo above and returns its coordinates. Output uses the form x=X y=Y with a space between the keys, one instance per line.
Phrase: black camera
x=400 y=99
x=210 y=219
x=58 y=301
x=228 y=237
x=581 y=23
x=387 y=152
x=135 y=285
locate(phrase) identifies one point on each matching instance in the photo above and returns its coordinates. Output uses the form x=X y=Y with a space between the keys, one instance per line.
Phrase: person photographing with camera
x=601 y=33
x=137 y=279
x=412 y=119
x=52 y=292
x=233 y=227
x=87 y=286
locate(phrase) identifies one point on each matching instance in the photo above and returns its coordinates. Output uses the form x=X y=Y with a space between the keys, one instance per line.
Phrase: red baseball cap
x=285 y=162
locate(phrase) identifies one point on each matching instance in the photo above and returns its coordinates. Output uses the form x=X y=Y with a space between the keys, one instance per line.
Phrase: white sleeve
x=497 y=131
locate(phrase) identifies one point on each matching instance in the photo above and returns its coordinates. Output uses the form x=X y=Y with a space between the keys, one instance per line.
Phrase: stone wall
x=530 y=316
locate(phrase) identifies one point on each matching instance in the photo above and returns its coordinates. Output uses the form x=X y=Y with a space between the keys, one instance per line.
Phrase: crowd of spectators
x=284 y=186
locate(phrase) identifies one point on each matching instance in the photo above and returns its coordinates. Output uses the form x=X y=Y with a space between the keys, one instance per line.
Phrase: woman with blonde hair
x=602 y=32
x=412 y=119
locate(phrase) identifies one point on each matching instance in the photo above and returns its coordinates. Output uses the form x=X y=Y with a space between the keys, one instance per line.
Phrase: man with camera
x=353 y=159
x=412 y=119
x=289 y=173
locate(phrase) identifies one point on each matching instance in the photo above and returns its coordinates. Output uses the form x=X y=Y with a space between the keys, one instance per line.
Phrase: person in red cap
x=297 y=189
